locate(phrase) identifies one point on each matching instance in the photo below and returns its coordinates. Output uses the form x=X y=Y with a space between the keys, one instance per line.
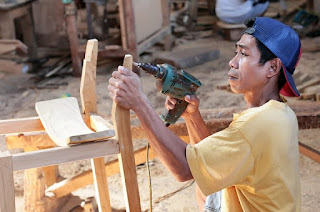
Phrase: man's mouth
x=232 y=77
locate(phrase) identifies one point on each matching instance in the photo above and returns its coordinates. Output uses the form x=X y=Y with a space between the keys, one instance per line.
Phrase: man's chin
x=234 y=90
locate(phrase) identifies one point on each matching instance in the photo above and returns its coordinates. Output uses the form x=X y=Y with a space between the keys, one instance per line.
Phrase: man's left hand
x=125 y=88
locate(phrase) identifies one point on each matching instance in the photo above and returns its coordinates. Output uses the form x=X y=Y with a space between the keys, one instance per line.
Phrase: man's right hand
x=191 y=109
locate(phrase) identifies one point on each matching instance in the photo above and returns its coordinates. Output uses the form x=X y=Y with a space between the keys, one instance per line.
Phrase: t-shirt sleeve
x=220 y=160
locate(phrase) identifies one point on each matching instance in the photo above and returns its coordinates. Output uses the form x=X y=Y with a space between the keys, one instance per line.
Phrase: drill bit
x=150 y=69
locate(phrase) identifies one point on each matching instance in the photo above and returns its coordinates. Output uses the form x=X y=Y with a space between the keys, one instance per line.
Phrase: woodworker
x=254 y=162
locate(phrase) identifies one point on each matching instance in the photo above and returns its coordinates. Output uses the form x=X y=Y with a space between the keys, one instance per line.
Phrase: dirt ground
x=18 y=96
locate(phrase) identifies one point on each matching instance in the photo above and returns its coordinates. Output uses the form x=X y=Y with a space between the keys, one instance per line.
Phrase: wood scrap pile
x=192 y=19
x=310 y=89
x=14 y=59
x=13 y=56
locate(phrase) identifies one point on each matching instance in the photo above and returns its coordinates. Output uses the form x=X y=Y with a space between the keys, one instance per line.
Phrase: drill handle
x=171 y=116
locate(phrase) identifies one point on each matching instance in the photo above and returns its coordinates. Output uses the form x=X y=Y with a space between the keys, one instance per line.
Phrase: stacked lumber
x=12 y=56
x=310 y=89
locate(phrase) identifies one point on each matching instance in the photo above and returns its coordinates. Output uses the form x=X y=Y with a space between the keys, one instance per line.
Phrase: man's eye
x=244 y=54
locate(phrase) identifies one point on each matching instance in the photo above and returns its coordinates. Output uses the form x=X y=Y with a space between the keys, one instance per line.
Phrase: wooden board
x=89 y=106
x=147 y=18
x=58 y=155
x=188 y=57
x=63 y=122
x=121 y=123
x=7 y=201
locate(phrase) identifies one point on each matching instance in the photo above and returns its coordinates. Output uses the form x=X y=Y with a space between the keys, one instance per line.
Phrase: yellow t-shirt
x=255 y=161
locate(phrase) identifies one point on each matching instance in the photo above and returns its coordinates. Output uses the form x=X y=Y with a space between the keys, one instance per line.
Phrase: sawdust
x=18 y=96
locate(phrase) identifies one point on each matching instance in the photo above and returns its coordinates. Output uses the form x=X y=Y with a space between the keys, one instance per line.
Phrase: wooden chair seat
x=63 y=122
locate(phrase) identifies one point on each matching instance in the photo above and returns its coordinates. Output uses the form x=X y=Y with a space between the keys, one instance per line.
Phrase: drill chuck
x=155 y=71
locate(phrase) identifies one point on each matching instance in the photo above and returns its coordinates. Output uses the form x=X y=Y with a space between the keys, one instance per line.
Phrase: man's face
x=246 y=74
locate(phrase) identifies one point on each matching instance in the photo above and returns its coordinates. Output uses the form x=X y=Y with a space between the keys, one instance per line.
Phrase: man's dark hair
x=266 y=55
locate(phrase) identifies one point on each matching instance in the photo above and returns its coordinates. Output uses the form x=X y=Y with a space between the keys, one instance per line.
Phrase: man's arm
x=197 y=129
x=125 y=89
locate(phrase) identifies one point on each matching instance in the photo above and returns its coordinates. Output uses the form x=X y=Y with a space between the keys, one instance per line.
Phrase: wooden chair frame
x=94 y=150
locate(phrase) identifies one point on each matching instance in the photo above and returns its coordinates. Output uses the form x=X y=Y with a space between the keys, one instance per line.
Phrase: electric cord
x=149 y=177
x=149 y=174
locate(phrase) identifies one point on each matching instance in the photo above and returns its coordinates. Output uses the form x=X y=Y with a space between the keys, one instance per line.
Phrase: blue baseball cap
x=284 y=43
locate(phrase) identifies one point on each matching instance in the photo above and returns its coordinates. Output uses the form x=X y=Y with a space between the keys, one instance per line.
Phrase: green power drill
x=174 y=83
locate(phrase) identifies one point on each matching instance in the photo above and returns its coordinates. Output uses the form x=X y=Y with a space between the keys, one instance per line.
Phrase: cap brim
x=289 y=88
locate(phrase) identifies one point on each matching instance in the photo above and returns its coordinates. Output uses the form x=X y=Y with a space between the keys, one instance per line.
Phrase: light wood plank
x=88 y=79
x=122 y=14
x=71 y=22
x=52 y=156
x=100 y=124
x=40 y=140
x=121 y=123
x=153 y=39
x=85 y=178
x=7 y=201
x=127 y=25
x=309 y=152
x=8 y=45
x=101 y=184
x=89 y=105
x=63 y=122
x=21 y=125
x=51 y=175
x=34 y=188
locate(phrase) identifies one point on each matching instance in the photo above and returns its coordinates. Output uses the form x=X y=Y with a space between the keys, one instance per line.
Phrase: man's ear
x=275 y=67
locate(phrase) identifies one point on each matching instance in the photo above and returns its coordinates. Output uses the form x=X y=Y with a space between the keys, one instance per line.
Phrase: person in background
x=238 y=11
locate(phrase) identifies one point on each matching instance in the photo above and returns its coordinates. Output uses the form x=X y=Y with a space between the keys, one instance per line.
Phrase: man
x=255 y=160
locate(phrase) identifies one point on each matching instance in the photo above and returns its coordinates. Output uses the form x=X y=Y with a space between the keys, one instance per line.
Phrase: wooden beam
x=7 y=198
x=127 y=27
x=89 y=105
x=101 y=184
x=8 y=45
x=69 y=185
x=153 y=39
x=124 y=40
x=121 y=123
x=40 y=141
x=52 y=156
x=21 y=125
x=88 y=80
x=70 y=12
x=309 y=152
x=34 y=188
x=51 y=175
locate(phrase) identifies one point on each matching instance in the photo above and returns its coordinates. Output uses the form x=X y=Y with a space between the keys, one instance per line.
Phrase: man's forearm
x=169 y=148
x=197 y=128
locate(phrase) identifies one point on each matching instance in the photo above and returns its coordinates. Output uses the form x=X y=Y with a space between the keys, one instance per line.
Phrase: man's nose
x=233 y=63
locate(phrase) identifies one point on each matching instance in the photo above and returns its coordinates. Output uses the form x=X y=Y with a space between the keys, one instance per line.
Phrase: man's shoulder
x=271 y=113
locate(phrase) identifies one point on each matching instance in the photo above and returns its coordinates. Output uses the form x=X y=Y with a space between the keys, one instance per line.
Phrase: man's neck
x=255 y=99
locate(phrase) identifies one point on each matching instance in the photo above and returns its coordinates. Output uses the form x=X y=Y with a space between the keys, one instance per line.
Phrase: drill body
x=174 y=83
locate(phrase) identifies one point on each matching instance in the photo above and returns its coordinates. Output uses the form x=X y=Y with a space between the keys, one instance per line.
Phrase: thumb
x=192 y=99
x=124 y=71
